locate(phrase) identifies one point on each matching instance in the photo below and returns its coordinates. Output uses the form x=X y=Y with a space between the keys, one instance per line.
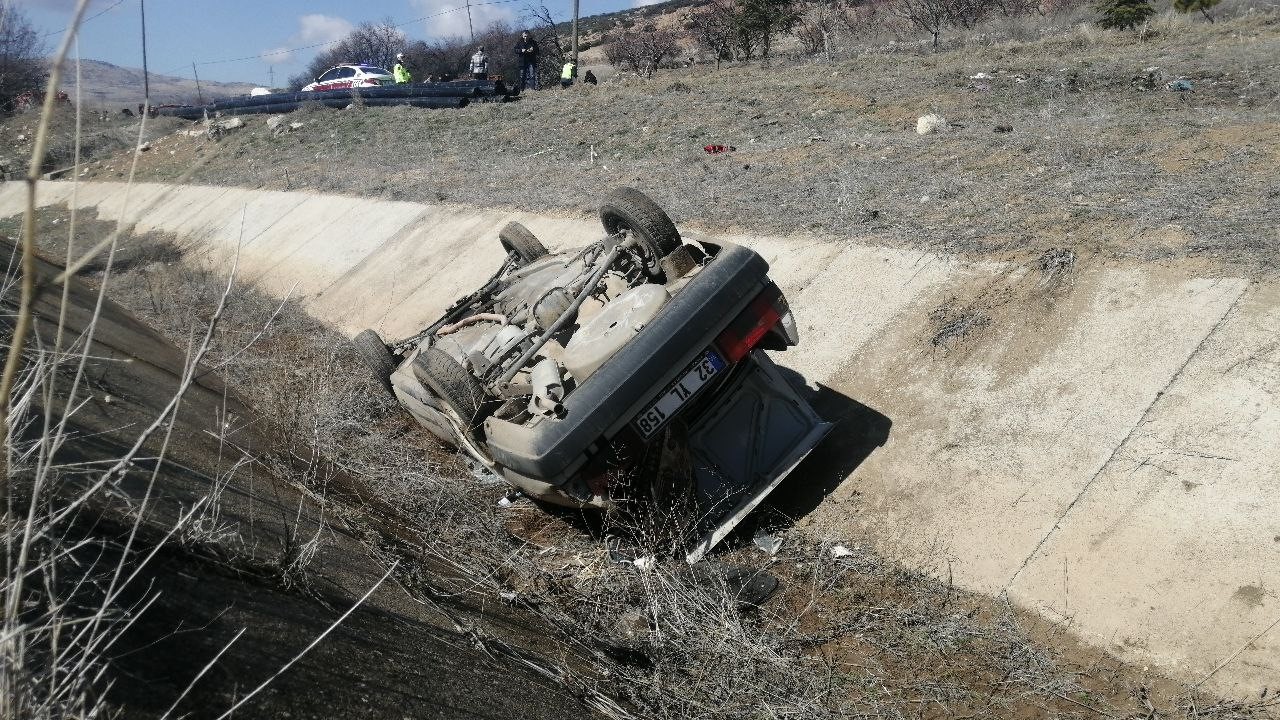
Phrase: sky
x=245 y=40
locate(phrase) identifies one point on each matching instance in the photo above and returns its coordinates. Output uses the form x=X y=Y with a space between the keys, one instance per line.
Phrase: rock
x=144 y=147
x=1003 y=128
x=928 y=124
x=982 y=76
x=295 y=125
x=274 y=122
x=227 y=124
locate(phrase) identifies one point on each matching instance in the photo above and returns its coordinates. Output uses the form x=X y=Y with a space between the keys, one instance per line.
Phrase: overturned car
x=564 y=367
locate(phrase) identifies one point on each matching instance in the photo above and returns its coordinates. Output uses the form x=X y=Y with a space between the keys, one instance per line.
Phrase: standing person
x=567 y=74
x=527 y=51
x=480 y=65
x=401 y=72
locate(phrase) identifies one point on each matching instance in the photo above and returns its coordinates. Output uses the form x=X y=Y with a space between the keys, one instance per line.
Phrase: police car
x=351 y=76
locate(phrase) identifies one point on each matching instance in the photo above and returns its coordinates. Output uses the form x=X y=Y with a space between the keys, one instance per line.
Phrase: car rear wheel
x=517 y=239
x=461 y=395
x=627 y=210
x=376 y=356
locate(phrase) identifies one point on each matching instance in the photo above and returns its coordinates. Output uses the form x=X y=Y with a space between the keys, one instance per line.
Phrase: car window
x=329 y=74
x=373 y=70
x=346 y=72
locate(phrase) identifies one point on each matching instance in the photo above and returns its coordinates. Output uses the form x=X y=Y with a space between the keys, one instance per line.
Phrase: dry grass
x=1094 y=163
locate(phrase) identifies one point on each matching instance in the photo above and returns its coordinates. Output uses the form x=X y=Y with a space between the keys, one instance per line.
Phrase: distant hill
x=111 y=85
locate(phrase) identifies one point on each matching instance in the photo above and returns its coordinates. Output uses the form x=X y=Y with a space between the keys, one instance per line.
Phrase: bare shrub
x=23 y=67
x=714 y=28
x=641 y=51
x=934 y=16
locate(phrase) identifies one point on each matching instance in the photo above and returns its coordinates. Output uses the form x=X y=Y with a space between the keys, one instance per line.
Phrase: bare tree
x=552 y=53
x=714 y=27
x=371 y=43
x=930 y=16
x=22 y=57
x=816 y=26
x=641 y=50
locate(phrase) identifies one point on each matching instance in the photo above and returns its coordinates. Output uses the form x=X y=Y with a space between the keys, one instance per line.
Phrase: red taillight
x=752 y=324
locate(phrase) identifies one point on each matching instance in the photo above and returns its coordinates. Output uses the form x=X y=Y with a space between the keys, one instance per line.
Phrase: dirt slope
x=1094 y=162
x=392 y=657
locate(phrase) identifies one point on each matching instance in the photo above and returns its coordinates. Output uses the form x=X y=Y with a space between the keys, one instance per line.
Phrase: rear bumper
x=553 y=450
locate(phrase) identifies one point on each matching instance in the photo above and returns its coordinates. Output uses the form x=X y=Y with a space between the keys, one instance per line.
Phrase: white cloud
x=313 y=29
x=451 y=16
x=643 y=3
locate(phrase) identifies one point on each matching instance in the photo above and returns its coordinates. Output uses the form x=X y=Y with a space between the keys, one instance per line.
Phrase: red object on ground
x=717 y=149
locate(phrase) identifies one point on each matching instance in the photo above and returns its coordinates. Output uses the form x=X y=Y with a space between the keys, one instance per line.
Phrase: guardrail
x=425 y=95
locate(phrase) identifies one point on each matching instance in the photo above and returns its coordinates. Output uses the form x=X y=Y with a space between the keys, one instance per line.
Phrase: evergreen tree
x=1124 y=14
x=1186 y=6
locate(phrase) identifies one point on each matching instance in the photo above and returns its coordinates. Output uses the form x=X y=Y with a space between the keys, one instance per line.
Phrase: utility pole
x=472 y=27
x=146 y=81
x=271 y=75
x=199 y=94
x=575 y=35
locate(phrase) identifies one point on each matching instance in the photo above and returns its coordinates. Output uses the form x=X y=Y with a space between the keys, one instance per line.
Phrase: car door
x=344 y=79
x=322 y=82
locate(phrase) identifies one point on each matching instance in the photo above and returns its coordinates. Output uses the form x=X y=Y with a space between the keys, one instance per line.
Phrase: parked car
x=351 y=76
x=561 y=366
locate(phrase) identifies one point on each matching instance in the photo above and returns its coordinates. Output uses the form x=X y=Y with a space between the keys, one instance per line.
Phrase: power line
x=98 y=14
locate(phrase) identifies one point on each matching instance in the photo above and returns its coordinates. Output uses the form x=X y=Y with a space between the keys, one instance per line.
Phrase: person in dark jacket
x=527 y=51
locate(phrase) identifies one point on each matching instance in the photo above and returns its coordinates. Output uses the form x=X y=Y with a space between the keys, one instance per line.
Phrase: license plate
x=693 y=379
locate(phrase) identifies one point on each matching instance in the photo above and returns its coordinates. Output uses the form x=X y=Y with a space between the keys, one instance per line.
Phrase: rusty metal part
x=479 y=317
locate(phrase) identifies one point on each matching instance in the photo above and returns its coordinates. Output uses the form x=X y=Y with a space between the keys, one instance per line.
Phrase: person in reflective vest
x=401 y=72
x=567 y=73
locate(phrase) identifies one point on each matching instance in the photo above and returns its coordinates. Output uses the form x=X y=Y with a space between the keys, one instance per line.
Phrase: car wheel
x=460 y=394
x=517 y=239
x=629 y=210
x=376 y=356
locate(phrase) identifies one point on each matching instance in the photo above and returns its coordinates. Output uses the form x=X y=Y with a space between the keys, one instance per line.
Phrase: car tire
x=628 y=209
x=517 y=239
x=459 y=392
x=376 y=356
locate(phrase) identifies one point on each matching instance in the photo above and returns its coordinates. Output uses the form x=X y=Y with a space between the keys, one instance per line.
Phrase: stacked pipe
x=425 y=95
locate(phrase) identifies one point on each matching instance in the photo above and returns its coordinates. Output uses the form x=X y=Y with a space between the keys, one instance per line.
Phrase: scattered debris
x=768 y=543
x=840 y=551
x=646 y=563
x=1179 y=86
x=144 y=147
x=717 y=149
x=1003 y=128
x=928 y=124
x=982 y=76
x=508 y=595
x=510 y=499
